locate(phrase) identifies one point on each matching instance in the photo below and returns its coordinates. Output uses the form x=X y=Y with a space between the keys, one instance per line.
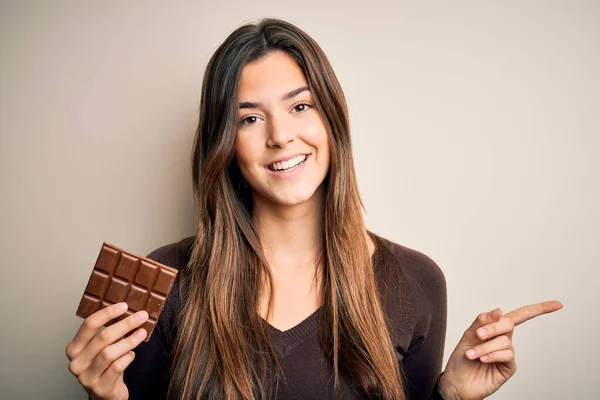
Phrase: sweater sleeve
x=422 y=362
x=147 y=377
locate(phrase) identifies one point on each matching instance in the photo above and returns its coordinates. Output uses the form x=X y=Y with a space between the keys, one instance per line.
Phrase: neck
x=290 y=235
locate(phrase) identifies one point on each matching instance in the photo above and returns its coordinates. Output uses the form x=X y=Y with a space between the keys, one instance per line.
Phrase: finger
x=531 y=311
x=105 y=338
x=110 y=354
x=482 y=320
x=107 y=382
x=90 y=326
x=505 y=356
x=496 y=344
x=504 y=326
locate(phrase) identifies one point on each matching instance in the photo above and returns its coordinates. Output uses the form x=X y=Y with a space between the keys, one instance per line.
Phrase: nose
x=280 y=133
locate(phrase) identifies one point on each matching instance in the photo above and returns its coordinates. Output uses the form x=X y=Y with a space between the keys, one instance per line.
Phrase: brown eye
x=302 y=107
x=249 y=120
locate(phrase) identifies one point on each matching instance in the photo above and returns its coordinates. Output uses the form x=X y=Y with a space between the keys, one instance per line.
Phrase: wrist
x=447 y=389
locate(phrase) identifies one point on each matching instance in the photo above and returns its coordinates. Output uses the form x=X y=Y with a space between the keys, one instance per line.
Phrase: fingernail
x=141 y=316
x=140 y=334
x=482 y=332
x=484 y=358
x=471 y=353
x=123 y=307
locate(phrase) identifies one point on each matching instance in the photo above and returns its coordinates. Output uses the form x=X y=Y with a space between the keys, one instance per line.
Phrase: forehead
x=270 y=76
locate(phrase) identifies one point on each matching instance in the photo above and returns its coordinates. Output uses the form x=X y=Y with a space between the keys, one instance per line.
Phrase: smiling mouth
x=289 y=164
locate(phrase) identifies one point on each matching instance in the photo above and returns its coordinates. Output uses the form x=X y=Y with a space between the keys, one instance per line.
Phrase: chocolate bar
x=119 y=276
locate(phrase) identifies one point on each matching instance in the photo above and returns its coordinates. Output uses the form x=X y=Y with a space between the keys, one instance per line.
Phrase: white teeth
x=291 y=163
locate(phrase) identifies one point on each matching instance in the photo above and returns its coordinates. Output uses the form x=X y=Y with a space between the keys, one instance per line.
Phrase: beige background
x=475 y=126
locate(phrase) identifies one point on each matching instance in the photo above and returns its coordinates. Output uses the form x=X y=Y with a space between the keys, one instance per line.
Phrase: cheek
x=246 y=153
x=241 y=155
x=316 y=135
x=323 y=150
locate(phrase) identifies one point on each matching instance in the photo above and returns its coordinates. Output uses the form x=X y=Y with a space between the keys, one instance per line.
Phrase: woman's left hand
x=484 y=359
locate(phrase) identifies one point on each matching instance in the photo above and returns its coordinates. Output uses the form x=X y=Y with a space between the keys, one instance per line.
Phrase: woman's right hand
x=98 y=361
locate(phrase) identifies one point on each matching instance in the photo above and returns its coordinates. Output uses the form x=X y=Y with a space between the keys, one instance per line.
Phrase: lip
x=286 y=158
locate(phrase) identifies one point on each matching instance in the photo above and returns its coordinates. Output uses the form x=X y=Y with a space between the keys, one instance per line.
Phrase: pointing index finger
x=525 y=313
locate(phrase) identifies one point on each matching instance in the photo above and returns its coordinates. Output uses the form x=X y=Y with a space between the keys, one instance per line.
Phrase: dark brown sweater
x=415 y=303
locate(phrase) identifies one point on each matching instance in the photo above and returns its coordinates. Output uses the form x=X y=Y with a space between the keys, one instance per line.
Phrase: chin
x=292 y=197
x=287 y=200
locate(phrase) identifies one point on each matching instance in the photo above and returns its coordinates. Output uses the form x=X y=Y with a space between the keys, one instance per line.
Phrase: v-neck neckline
x=284 y=341
x=299 y=326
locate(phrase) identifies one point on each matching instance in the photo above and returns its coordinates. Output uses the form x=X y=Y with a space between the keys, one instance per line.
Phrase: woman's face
x=282 y=145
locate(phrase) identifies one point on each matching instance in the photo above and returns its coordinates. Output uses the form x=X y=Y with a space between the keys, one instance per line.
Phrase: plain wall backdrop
x=476 y=135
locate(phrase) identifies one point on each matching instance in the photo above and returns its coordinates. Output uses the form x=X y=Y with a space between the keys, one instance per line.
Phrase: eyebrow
x=287 y=96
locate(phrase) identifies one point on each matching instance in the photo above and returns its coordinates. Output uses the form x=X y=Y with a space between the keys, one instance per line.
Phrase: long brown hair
x=222 y=349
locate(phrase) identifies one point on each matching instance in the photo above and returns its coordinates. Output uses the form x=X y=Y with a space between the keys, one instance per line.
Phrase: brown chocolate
x=119 y=276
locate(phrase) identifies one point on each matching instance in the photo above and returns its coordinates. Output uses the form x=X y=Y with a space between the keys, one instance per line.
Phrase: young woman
x=283 y=293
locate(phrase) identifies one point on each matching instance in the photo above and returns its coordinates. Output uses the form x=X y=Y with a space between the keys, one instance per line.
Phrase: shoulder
x=412 y=284
x=414 y=266
x=175 y=255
